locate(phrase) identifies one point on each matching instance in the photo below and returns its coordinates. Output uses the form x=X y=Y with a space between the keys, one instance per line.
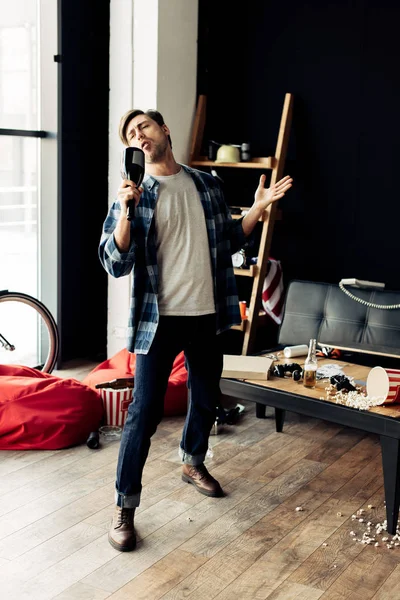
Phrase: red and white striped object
x=272 y=297
x=384 y=383
x=116 y=404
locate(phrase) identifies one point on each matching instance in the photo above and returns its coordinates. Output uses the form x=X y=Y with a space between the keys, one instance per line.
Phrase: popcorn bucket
x=384 y=383
x=116 y=403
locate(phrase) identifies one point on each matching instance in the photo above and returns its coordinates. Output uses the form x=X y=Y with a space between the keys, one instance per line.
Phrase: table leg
x=391 y=478
x=260 y=410
x=279 y=419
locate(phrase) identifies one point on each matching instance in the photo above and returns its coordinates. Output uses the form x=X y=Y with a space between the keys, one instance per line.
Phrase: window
x=28 y=118
x=28 y=149
x=19 y=214
x=19 y=66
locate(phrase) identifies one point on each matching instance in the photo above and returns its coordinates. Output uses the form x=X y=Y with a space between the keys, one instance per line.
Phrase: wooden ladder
x=256 y=317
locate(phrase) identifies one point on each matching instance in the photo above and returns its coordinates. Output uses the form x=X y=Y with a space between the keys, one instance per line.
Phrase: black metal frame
x=25 y=133
x=387 y=428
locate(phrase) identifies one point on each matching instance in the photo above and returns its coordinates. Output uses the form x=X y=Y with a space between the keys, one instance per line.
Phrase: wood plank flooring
x=55 y=510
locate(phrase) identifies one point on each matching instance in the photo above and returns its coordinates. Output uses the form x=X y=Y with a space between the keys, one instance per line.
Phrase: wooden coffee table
x=286 y=394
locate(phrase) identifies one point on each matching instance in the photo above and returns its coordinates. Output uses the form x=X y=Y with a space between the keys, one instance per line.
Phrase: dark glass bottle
x=310 y=365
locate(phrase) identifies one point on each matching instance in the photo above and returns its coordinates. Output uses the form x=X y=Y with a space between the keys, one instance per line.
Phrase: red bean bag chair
x=43 y=412
x=123 y=364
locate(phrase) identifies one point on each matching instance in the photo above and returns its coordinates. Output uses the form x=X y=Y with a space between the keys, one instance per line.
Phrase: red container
x=384 y=383
x=116 y=403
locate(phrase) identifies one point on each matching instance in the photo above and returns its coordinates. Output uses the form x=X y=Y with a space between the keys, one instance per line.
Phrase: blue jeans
x=203 y=357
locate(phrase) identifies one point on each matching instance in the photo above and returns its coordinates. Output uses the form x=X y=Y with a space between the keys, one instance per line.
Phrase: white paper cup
x=291 y=351
x=384 y=383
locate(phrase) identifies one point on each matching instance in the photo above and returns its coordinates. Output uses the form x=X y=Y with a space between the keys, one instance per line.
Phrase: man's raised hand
x=266 y=196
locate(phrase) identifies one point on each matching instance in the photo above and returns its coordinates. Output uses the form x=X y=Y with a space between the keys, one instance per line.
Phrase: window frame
x=48 y=157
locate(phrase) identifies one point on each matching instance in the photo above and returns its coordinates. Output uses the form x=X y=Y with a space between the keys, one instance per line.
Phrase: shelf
x=251 y=272
x=262 y=316
x=261 y=162
x=263 y=217
x=241 y=327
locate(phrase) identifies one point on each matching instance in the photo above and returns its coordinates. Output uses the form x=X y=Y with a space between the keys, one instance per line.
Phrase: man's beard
x=158 y=152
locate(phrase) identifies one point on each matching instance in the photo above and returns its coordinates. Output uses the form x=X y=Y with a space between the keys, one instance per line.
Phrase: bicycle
x=28 y=332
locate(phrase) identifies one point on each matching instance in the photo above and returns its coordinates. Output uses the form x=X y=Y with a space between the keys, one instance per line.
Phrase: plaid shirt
x=225 y=236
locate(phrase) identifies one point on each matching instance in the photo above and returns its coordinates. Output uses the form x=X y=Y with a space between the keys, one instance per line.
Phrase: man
x=178 y=246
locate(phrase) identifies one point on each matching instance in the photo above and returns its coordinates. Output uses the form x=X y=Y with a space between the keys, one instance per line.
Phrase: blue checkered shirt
x=225 y=236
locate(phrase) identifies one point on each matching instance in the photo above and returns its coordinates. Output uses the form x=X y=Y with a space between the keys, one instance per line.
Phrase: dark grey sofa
x=322 y=311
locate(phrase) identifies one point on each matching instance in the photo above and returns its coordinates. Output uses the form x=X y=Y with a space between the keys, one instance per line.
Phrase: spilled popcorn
x=354 y=399
x=378 y=537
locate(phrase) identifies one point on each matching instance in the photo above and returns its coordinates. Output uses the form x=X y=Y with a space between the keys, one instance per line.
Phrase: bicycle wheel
x=28 y=332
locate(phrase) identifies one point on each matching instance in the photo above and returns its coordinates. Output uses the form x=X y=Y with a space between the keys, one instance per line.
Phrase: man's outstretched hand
x=266 y=196
x=262 y=199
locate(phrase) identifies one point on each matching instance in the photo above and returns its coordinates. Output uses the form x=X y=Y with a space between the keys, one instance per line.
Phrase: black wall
x=83 y=148
x=340 y=60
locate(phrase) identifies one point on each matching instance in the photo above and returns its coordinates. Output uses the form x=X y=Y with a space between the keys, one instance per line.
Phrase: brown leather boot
x=202 y=480
x=122 y=534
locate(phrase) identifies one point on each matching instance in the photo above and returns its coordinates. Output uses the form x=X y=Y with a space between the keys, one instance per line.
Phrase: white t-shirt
x=183 y=253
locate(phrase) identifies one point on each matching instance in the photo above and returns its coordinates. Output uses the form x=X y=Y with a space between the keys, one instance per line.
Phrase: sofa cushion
x=322 y=311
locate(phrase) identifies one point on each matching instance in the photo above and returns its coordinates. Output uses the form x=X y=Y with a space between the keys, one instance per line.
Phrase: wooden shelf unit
x=266 y=162
x=256 y=316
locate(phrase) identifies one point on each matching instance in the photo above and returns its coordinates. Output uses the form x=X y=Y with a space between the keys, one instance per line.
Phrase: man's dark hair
x=131 y=114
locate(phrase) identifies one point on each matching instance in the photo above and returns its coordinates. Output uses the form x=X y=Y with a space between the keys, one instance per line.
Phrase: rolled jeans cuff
x=191 y=459
x=124 y=501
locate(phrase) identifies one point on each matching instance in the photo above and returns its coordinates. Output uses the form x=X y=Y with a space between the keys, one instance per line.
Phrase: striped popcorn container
x=116 y=403
x=384 y=383
x=272 y=297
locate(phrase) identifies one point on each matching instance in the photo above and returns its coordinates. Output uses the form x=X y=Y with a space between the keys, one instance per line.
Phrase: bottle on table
x=310 y=366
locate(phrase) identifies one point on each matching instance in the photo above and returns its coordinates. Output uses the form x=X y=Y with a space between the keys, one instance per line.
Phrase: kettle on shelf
x=228 y=153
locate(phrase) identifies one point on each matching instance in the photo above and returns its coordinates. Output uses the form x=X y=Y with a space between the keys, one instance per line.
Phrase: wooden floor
x=55 y=509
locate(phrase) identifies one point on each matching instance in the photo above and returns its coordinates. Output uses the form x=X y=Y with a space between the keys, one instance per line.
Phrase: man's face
x=142 y=132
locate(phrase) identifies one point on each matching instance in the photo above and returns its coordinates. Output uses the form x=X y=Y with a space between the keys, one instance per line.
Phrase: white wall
x=121 y=98
x=145 y=53
x=177 y=70
x=153 y=64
